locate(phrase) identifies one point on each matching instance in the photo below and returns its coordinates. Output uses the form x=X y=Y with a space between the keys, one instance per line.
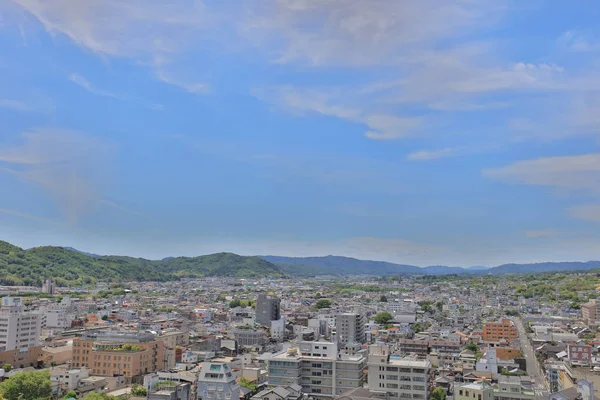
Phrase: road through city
x=533 y=366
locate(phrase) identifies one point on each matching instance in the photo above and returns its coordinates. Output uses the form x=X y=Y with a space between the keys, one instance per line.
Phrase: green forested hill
x=68 y=267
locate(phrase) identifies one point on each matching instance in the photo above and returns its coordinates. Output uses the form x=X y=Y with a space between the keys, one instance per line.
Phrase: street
x=533 y=366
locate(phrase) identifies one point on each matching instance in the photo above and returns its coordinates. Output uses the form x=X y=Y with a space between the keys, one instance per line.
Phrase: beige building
x=115 y=354
x=474 y=391
x=56 y=355
x=171 y=341
x=590 y=312
x=21 y=359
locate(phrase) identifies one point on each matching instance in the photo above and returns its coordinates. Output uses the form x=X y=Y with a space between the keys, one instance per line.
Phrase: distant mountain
x=70 y=267
x=478 y=268
x=337 y=265
x=543 y=267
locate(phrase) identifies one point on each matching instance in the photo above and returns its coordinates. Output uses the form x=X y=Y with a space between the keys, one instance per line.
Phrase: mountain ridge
x=341 y=265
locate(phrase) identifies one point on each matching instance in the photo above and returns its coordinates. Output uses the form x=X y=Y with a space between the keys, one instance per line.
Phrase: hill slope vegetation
x=72 y=268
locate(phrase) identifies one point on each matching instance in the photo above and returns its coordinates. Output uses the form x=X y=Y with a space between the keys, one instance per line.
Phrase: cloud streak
x=16 y=213
x=14 y=105
x=84 y=83
x=580 y=172
x=70 y=167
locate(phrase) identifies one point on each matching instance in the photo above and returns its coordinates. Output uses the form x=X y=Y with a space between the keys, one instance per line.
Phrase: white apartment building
x=317 y=367
x=350 y=328
x=398 y=377
x=57 y=319
x=19 y=329
x=217 y=382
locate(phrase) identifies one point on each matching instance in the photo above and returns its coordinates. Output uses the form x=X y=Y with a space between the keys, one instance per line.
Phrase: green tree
x=247 y=384
x=33 y=385
x=383 y=299
x=322 y=303
x=439 y=305
x=70 y=395
x=417 y=327
x=105 y=318
x=138 y=390
x=383 y=318
x=235 y=303
x=472 y=347
x=426 y=307
x=438 y=394
x=7 y=367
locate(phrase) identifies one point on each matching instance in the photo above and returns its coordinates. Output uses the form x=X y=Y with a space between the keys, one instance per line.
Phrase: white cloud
x=580 y=172
x=120 y=28
x=191 y=87
x=145 y=30
x=380 y=126
x=426 y=155
x=84 y=83
x=356 y=32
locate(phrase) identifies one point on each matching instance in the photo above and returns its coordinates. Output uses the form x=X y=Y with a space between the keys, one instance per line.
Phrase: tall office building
x=350 y=328
x=19 y=328
x=267 y=309
x=217 y=382
x=317 y=367
x=398 y=377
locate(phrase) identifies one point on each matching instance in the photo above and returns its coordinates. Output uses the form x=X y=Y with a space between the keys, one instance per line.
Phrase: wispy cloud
x=426 y=155
x=580 y=172
x=14 y=105
x=141 y=30
x=579 y=41
x=191 y=87
x=380 y=126
x=586 y=212
x=542 y=233
x=84 y=83
x=578 y=175
x=32 y=217
x=70 y=167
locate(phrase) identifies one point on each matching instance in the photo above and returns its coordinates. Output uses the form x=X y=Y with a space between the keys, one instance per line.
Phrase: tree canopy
x=438 y=394
x=322 y=303
x=34 y=385
x=383 y=317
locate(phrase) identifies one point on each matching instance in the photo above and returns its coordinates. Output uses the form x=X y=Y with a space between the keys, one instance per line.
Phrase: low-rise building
x=118 y=354
x=474 y=391
x=217 y=382
x=496 y=331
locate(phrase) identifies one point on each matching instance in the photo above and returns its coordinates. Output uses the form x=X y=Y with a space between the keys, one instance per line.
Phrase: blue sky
x=426 y=132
